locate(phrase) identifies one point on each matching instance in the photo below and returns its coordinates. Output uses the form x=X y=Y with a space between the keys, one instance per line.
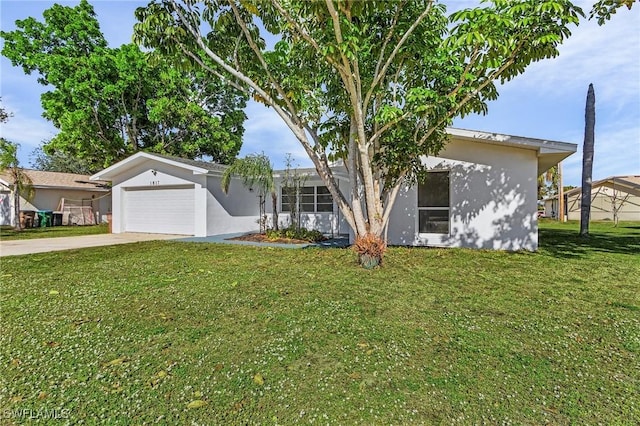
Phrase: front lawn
x=9 y=233
x=189 y=333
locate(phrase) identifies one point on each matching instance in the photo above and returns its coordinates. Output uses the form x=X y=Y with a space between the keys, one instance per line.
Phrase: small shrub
x=292 y=233
x=370 y=249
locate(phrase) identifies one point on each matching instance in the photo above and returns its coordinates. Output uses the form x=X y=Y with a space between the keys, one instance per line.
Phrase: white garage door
x=166 y=210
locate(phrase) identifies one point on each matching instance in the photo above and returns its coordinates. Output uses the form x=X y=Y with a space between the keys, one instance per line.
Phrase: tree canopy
x=111 y=102
x=371 y=83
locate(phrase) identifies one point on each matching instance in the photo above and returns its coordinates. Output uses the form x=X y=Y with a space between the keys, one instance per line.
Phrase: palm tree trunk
x=587 y=161
x=16 y=207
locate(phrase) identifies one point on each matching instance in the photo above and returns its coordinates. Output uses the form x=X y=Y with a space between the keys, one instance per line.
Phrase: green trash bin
x=46 y=218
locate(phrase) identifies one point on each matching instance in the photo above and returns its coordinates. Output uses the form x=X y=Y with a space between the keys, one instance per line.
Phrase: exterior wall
x=493 y=202
x=157 y=174
x=551 y=207
x=602 y=199
x=49 y=199
x=236 y=211
x=326 y=222
x=6 y=212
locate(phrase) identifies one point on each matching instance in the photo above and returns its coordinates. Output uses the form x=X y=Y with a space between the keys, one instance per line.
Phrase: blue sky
x=546 y=102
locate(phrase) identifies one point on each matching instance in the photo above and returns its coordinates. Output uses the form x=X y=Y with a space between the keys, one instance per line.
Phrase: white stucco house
x=481 y=193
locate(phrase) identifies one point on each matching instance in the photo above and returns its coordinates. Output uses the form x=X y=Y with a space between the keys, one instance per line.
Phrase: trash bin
x=57 y=219
x=46 y=218
x=109 y=218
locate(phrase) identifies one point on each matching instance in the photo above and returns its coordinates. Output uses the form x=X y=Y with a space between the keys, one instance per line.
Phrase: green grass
x=8 y=233
x=133 y=334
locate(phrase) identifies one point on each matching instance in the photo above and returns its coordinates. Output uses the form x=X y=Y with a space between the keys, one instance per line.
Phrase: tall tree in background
x=372 y=83
x=59 y=161
x=109 y=103
x=587 y=161
x=548 y=183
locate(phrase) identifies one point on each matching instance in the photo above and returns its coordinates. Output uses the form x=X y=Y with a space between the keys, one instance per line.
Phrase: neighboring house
x=614 y=195
x=481 y=193
x=52 y=187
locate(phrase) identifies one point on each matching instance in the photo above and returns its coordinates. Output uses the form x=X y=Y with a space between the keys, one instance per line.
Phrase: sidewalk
x=42 y=245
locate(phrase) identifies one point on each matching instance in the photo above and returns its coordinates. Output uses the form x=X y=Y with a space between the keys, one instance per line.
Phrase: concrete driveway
x=42 y=245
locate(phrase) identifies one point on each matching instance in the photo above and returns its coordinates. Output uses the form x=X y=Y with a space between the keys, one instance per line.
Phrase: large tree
x=372 y=83
x=111 y=102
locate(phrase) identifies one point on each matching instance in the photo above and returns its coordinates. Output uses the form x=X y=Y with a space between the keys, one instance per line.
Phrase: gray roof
x=214 y=167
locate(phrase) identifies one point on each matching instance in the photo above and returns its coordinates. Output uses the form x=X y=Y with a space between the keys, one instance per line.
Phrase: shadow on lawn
x=567 y=243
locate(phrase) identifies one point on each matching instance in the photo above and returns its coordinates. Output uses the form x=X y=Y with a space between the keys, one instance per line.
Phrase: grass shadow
x=568 y=243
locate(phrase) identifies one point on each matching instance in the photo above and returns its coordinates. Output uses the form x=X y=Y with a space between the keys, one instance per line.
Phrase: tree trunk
x=274 y=202
x=16 y=207
x=587 y=161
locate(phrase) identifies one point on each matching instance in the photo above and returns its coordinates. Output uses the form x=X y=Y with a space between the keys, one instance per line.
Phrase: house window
x=312 y=199
x=433 y=204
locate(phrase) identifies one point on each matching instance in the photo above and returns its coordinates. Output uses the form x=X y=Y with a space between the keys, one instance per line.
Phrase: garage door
x=166 y=210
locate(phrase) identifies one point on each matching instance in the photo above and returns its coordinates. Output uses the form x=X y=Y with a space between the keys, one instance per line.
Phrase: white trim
x=425 y=235
x=137 y=158
x=542 y=145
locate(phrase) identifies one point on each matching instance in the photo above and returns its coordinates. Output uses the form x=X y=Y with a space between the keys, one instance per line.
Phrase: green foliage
x=4 y=114
x=371 y=83
x=58 y=161
x=256 y=171
x=548 y=183
x=294 y=232
x=603 y=10
x=111 y=102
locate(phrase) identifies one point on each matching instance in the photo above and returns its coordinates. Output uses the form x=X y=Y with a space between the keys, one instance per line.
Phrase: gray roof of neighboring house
x=42 y=179
x=629 y=184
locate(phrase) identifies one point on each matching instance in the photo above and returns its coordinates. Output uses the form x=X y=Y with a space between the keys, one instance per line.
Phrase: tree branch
x=263 y=63
x=306 y=36
x=380 y=75
x=492 y=76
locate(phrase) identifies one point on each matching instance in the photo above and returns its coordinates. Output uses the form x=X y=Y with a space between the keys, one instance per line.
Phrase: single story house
x=481 y=193
x=52 y=190
x=615 y=194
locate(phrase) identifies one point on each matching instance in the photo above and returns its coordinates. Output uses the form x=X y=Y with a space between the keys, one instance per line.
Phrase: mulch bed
x=262 y=238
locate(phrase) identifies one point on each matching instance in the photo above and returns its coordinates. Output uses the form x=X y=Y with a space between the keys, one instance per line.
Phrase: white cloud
x=266 y=132
x=25 y=128
x=608 y=56
x=616 y=152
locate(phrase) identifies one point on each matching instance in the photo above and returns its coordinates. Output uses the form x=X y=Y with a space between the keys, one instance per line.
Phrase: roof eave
x=109 y=173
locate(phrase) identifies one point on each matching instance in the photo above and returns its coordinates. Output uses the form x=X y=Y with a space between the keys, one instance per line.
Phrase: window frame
x=315 y=196
x=447 y=209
